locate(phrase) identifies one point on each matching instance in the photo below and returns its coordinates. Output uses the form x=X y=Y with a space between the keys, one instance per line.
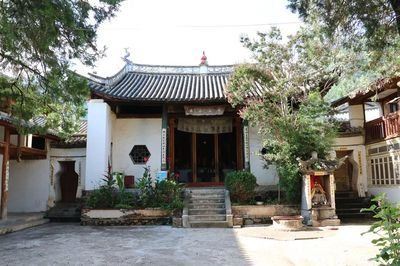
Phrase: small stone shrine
x=318 y=191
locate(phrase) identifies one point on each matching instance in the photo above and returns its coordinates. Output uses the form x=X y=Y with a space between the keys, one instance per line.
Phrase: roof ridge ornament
x=203 y=64
x=125 y=58
x=203 y=61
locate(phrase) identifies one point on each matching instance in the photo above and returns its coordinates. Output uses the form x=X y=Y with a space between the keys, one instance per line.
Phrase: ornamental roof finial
x=126 y=56
x=203 y=61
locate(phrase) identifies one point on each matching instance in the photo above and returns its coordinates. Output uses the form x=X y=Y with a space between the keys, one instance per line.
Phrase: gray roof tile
x=166 y=83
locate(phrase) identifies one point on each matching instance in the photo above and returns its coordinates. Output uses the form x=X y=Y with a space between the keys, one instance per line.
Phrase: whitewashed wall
x=265 y=177
x=28 y=186
x=392 y=193
x=99 y=139
x=136 y=131
x=58 y=155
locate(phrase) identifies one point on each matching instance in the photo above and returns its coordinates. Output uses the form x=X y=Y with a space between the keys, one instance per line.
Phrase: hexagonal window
x=139 y=154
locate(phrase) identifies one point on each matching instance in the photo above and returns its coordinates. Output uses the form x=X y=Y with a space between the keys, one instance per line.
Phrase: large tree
x=377 y=20
x=366 y=31
x=39 y=41
x=287 y=107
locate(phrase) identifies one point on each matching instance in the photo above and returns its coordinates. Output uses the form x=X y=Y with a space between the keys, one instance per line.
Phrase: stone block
x=237 y=221
x=177 y=222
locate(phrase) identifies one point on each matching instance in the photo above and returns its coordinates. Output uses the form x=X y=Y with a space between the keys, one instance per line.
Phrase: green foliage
x=388 y=229
x=169 y=195
x=374 y=20
x=166 y=194
x=102 y=198
x=292 y=117
x=241 y=185
x=107 y=196
x=147 y=191
x=362 y=40
x=40 y=41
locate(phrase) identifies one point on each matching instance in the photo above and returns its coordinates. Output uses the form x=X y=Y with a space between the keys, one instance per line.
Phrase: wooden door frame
x=239 y=151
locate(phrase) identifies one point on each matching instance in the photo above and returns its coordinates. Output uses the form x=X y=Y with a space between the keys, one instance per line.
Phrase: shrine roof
x=157 y=83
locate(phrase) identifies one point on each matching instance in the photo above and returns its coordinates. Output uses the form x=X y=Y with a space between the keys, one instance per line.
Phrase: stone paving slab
x=72 y=244
x=19 y=221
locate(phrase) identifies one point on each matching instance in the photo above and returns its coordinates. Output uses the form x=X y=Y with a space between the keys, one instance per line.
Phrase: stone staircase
x=349 y=205
x=207 y=207
x=65 y=212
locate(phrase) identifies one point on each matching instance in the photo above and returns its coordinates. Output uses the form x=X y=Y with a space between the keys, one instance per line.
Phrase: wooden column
x=194 y=158
x=239 y=144
x=171 y=144
x=5 y=173
x=216 y=158
x=164 y=127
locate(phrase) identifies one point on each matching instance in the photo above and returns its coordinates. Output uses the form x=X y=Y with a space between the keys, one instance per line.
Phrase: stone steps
x=65 y=212
x=196 y=201
x=210 y=217
x=207 y=211
x=349 y=205
x=209 y=224
x=206 y=207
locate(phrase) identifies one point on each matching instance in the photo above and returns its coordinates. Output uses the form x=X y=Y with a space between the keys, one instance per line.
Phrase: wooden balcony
x=383 y=128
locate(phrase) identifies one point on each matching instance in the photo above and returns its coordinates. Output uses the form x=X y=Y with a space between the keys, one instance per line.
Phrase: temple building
x=370 y=137
x=172 y=118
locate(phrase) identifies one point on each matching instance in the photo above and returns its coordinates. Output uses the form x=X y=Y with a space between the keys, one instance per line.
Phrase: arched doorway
x=346 y=176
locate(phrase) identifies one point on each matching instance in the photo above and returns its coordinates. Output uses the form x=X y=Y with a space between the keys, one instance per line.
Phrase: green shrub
x=387 y=227
x=107 y=196
x=169 y=195
x=101 y=198
x=290 y=180
x=146 y=189
x=241 y=185
x=166 y=194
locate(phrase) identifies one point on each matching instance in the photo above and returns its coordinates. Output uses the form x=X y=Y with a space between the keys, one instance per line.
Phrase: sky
x=176 y=32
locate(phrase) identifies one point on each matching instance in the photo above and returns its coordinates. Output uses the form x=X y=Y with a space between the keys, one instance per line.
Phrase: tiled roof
x=77 y=140
x=39 y=121
x=166 y=83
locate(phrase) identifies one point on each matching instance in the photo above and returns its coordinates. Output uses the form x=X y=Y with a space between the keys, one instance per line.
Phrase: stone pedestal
x=287 y=222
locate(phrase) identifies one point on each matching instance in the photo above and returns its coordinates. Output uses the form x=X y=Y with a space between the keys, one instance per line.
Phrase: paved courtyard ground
x=72 y=244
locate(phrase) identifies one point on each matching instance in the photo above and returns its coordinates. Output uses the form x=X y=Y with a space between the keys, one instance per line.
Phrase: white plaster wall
x=58 y=155
x=99 y=138
x=265 y=177
x=136 y=131
x=28 y=186
x=392 y=193
x=348 y=141
x=356 y=115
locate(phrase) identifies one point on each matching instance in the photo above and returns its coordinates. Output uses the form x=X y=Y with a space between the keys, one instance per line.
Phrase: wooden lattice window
x=385 y=170
x=139 y=154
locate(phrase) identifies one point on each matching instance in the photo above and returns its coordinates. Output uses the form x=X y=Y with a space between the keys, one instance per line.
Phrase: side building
x=32 y=166
x=371 y=139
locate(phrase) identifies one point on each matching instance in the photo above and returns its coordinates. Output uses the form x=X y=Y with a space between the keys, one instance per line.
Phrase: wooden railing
x=383 y=128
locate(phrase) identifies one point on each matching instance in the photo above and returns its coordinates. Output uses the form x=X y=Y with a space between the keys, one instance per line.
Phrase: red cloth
x=317 y=179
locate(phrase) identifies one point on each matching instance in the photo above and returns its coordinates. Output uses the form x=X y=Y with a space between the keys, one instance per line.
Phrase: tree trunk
x=396 y=9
